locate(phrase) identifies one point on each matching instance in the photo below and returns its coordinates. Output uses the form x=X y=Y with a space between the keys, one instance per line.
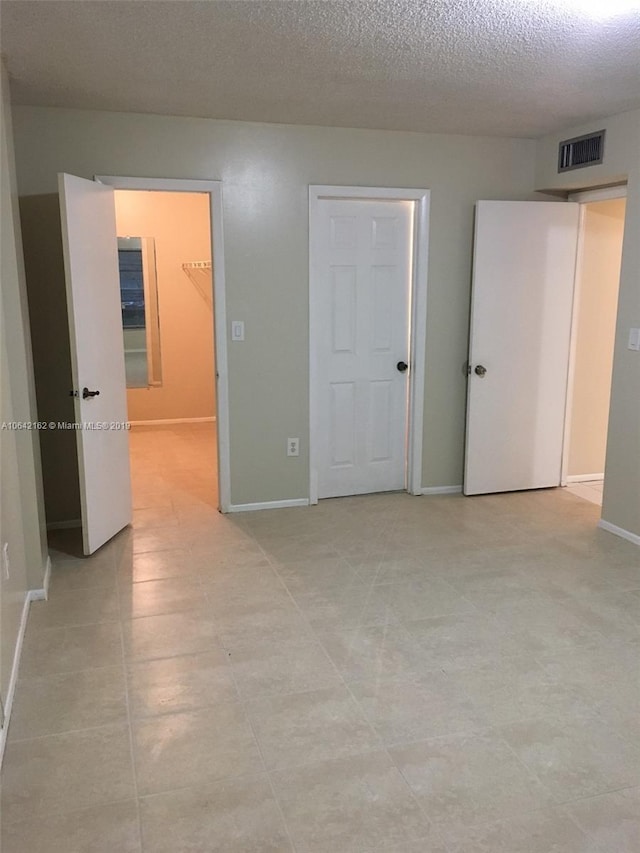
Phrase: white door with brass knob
x=523 y=279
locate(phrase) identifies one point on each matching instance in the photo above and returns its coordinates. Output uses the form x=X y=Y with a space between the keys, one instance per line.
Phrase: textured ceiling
x=489 y=67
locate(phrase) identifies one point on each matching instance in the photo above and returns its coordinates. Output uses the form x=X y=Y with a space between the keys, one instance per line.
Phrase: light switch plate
x=237 y=330
x=634 y=339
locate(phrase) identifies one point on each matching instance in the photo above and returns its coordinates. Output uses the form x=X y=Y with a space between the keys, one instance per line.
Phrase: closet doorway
x=602 y=217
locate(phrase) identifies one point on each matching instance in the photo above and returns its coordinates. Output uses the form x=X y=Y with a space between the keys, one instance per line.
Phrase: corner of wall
x=621 y=505
x=22 y=523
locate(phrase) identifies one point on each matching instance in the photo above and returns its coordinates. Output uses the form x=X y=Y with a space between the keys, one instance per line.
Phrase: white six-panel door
x=364 y=251
x=97 y=356
x=522 y=295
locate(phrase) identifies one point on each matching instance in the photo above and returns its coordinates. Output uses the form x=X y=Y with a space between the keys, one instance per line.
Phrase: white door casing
x=521 y=308
x=364 y=259
x=214 y=190
x=583 y=198
x=97 y=357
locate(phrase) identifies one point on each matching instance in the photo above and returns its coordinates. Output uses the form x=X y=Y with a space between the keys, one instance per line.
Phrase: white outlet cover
x=634 y=339
x=293 y=447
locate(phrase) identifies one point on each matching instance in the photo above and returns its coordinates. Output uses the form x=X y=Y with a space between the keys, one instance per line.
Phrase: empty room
x=320 y=426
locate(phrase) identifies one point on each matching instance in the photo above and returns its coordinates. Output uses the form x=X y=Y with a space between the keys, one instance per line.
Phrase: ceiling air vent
x=581 y=151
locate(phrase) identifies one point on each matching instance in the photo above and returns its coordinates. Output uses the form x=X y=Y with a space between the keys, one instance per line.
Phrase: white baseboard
x=13 y=680
x=582 y=478
x=43 y=593
x=169 y=421
x=71 y=524
x=619 y=531
x=269 y=505
x=441 y=490
x=31 y=595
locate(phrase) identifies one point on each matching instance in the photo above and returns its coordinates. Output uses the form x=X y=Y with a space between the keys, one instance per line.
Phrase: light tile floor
x=590 y=490
x=382 y=673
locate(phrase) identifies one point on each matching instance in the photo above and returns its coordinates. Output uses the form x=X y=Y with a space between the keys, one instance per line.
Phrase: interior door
x=97 y=357
x=365 y=250
x=522 y=295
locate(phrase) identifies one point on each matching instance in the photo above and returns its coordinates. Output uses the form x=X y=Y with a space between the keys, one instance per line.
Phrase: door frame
x=582 y=197
x=214 y=190
x=417 y=319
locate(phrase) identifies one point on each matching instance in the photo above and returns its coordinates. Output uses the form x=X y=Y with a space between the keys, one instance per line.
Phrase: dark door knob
x=402 y=366
x=480 y=370
x=86 y=393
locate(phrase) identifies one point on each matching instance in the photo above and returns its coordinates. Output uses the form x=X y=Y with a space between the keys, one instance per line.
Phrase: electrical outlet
x=293 y=447
x=5 y=561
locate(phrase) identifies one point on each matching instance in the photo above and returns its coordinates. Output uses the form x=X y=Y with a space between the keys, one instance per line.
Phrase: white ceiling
x=488 y=67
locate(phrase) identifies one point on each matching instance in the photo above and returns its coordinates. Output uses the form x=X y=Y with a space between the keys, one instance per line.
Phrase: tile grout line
x=565 y=807
x=272 y=787
x=74 y=811
x=130 y=727
x=241 y=700
x=264 y=763
x=313 y=634
x=383 y=746
x=519 y=761
x=66 y=732
x=556 y=803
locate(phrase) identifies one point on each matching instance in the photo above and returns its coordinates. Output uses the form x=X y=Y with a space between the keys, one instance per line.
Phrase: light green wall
x=621 y=505
x=266 y=170
x=21 y=505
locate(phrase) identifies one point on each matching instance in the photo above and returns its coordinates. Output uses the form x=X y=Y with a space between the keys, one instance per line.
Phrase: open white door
x=523 y=280
x=97 y=357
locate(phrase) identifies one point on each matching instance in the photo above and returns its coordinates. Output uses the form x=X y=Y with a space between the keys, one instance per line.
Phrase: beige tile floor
x=590 y=490
x=382 y=673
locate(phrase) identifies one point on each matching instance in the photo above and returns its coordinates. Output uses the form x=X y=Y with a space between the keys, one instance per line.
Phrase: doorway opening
x=602 y=217
x=368 y=251
x=202 y=445
x=166 y=288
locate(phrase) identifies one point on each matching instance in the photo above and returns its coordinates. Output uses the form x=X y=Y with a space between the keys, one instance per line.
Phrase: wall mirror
x=140 y=313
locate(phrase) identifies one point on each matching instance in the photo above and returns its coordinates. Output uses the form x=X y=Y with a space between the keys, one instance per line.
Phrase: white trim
x=214 y=189
x=441 y=490
x=31 y=595
x=583 y=198
x=418 y=320
x=70 y=524
x=269 y=505
x=573 y=345
x=13 y=679
x=603 y=194
x=158 y=184
x=418 y=343
x=167 y=421
x=619 y=531
x=43 y=593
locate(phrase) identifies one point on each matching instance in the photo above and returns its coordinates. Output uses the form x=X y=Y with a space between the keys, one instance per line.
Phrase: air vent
x=581 y=151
